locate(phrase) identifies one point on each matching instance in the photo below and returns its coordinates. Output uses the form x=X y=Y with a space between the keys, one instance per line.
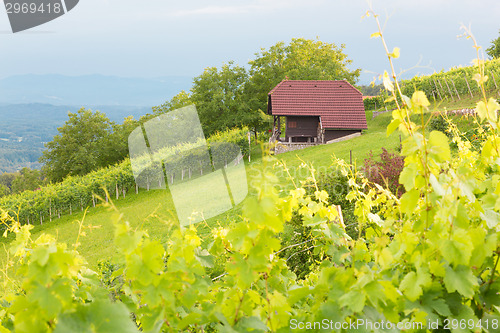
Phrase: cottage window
x=292 y=124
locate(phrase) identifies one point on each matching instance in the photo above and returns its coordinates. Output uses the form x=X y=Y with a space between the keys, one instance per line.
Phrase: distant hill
x=36 y=113
x=90 y=89
x=32 y=107
x=24 y=128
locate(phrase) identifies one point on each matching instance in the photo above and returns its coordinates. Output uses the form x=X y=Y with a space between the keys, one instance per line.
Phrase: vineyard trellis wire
x=78 y=192
x=455 y=83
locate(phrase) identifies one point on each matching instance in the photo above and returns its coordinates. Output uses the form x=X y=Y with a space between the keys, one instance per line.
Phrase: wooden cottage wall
x=301 y=126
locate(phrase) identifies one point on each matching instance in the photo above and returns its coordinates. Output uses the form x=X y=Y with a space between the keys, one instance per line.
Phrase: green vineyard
x=454 y=85
x=77 y=193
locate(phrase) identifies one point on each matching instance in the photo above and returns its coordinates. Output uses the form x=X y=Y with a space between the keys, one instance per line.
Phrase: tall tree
x=4 y=190
x=494 y=50
x=180 y=100
x=27 y=180
x=219 y=98
x=7 y=178
x=301 y=59
x=81 y=146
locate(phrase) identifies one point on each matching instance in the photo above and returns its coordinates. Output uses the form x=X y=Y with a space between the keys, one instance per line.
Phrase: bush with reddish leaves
x=385 y=171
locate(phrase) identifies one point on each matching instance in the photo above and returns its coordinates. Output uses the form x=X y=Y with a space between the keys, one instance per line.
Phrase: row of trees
x=234 y=96
x=26 y=179
x=88 y=141
x=494 y=50
x=226 y=97
x=78 y=192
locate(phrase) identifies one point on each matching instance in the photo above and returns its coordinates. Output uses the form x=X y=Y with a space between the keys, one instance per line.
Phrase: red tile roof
x=338 y=103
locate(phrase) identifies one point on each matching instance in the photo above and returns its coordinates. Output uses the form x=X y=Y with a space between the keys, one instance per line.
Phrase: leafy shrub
x=296 y=239
x=438 y=123
x=386 y=171
x=297 y=250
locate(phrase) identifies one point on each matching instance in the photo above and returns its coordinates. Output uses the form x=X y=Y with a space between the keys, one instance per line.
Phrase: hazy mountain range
x=90 y=89
x=32 y=107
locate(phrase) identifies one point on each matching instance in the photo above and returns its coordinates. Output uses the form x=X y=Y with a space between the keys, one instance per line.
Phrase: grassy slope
x=153 y=211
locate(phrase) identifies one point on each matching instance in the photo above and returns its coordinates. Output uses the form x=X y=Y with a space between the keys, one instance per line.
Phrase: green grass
x=154 y=211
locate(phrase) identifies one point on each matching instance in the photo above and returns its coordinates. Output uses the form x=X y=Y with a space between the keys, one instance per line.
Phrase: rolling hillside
x=153 y=210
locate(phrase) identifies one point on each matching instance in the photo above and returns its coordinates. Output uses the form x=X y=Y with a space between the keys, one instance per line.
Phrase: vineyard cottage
x=316 y=112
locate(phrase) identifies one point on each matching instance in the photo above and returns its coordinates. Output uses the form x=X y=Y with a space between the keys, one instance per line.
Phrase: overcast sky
x=150 y=38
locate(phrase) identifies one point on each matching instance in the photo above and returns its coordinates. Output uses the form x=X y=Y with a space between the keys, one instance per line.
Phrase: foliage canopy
x=494 y=50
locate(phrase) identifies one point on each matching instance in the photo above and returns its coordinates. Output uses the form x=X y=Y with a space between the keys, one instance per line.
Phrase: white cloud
x=245 y=7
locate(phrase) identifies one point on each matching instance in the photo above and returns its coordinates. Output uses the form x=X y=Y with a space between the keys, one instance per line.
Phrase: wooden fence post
x=441 y=87
x=437 y=89
x=452 y=82
x=468 y=86
x=494 y=81
x=341 y=217
x=350 y=155
x=449 y=90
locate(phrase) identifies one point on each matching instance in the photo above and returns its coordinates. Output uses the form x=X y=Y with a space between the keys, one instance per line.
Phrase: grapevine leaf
x=295 y=295
x=204 y=257
x=376 y=35
x=191 y=319
x=395 y=53
x=466 y=315
x=97 y=317
x=436 y=268
x=420 y=99
x=387 y=82
x=492 y=109
x=441 y=307
x=354 y=300
x=409 y=201
x=491 y=217
x=393 y=126
x=439 y=148
x=481 y=110
x=409 y=286
x=460 y=279
x=457 y=250
x=152 y=254
x=407 y=176
x=250 y=324
x=46 y=299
